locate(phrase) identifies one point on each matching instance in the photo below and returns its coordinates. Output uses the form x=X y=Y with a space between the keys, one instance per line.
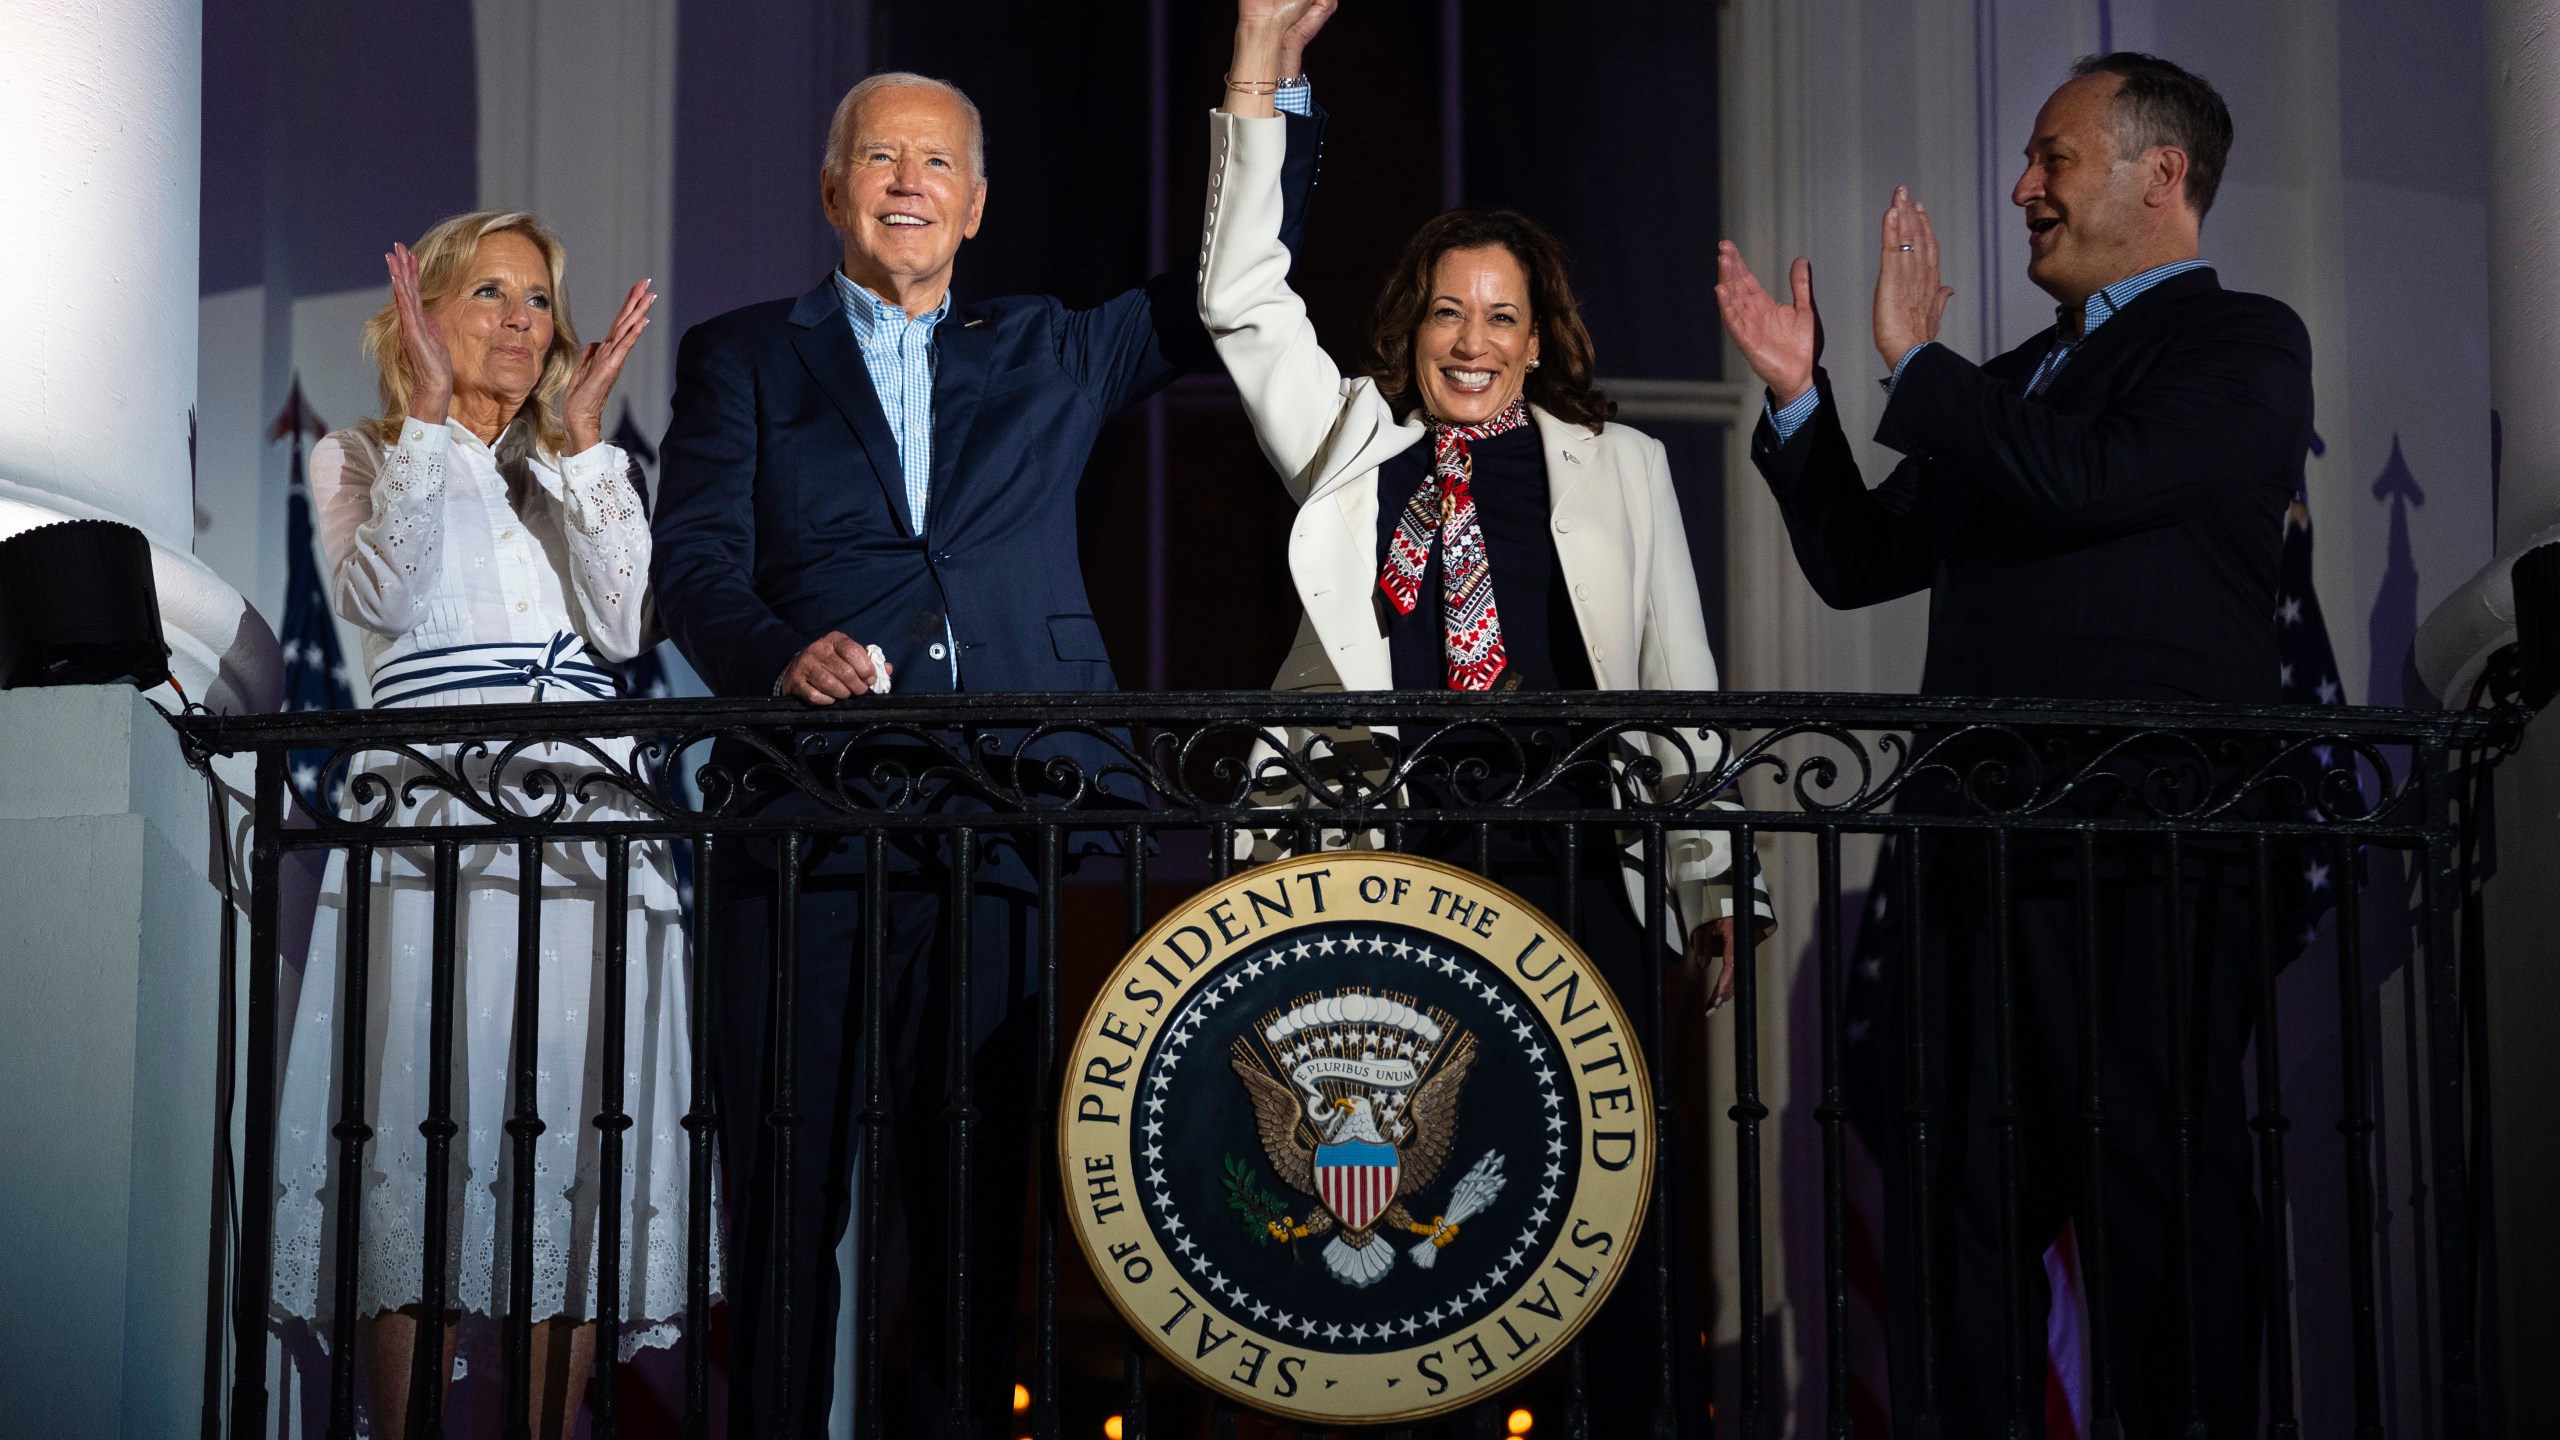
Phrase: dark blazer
x=782 y=512
x=2116 y=538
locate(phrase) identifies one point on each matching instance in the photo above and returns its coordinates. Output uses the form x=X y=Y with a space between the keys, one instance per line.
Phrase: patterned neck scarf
x=1470 y=624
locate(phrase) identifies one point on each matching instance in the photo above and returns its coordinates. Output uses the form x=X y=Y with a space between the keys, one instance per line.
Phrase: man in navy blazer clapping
x=2096 y=515
x=879 y=466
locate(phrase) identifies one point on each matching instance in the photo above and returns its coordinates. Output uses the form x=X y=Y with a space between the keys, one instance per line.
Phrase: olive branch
x=1264 y=1215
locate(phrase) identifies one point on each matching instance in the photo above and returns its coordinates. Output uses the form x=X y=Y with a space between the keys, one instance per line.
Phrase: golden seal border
x=1099 y=1172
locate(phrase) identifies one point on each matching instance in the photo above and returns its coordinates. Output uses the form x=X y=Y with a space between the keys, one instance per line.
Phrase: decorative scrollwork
x=507 y=783
x=1345 y=762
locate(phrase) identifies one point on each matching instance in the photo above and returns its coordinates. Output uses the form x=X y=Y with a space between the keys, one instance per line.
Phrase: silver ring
x=1906 y=247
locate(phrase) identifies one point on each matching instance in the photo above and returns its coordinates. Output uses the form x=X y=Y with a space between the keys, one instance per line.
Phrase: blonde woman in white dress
x=493 y=551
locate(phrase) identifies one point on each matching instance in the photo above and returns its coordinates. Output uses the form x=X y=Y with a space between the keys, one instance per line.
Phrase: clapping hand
x=1909 y=299
x=582 y=404
x=1782 y=343
x=421 y=343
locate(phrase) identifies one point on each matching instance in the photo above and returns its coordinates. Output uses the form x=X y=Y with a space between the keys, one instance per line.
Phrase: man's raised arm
x=1137 y=343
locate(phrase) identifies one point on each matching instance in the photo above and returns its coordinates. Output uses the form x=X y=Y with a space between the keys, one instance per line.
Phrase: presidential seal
x=1356 y=1138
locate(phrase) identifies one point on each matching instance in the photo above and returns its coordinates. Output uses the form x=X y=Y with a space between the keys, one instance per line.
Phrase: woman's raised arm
x=1293 y=392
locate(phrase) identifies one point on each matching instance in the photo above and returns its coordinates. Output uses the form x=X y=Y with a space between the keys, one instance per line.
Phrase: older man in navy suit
x=875 y=465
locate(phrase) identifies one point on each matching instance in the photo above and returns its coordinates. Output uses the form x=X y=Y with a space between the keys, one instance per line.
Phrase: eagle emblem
x=1356 y=1138
x=1360 y=1126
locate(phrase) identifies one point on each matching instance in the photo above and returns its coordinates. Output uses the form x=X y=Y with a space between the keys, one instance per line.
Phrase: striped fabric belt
x=561 y=662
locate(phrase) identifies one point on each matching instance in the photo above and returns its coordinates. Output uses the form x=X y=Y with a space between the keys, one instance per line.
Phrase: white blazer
x=1617 y=527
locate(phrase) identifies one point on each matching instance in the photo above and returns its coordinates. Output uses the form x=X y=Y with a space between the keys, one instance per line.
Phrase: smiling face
x=497 y=326
x=2094 y=216
x=905 y=196
x=1471 y=355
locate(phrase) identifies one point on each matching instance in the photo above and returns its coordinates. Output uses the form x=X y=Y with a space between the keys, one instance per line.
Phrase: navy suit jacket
x=2115 y=538
x=782 y=513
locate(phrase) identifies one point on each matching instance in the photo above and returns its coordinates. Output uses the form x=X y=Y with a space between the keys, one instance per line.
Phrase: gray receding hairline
x=871 y=85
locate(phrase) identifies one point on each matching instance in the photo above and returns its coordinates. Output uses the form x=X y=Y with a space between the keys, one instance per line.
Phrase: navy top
x=2114 y=537
x=1541 y=641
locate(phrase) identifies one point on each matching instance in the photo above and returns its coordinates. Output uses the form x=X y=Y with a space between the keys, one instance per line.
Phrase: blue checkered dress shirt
x=898 y=352
x=2096 y=311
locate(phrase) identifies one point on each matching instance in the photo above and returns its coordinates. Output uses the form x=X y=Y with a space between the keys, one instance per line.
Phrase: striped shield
x=1357 y=1181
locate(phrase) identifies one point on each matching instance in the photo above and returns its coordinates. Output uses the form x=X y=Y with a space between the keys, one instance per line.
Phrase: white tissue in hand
x=879 y=670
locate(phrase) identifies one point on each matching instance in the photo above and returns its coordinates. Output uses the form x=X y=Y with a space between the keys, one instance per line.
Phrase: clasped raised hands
x=1297 y=20
x=1271 y=43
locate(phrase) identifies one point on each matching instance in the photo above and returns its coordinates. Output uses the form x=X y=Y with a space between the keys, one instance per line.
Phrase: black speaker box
x=77 y=607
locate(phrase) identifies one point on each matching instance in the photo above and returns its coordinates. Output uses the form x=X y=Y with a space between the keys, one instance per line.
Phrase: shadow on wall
x=2393 y=625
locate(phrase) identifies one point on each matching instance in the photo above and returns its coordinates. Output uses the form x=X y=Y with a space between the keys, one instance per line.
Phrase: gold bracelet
x=1253 y=87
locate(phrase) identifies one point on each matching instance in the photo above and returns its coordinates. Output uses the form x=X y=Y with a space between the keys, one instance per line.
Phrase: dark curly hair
x=1562 y=383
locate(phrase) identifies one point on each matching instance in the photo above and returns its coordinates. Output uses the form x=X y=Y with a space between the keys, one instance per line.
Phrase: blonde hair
x=444 y=266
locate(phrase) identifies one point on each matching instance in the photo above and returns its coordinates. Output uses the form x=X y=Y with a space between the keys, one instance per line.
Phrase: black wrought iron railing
x=1978 y=803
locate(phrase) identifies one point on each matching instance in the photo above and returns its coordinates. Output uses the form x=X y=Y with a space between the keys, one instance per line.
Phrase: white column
x=2524 y=336
x=108 y=990
x=2523 y=904
x=101 y=109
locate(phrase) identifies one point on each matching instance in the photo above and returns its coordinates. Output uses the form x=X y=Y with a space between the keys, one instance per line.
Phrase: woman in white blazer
x=1478 y=347
x=1470 y=519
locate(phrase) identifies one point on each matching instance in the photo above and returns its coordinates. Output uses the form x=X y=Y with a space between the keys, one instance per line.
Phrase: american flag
x=315 y=674
x=2307 y=669
x=2308 y=675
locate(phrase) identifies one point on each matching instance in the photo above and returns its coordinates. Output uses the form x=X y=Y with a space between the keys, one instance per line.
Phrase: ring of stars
x=1186 y=1023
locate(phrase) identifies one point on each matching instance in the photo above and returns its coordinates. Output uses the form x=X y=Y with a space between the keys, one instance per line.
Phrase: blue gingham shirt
x=898 y=351
x=2097 y=310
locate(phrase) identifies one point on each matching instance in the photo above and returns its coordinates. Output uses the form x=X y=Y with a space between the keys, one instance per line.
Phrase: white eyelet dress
x=488 y=578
